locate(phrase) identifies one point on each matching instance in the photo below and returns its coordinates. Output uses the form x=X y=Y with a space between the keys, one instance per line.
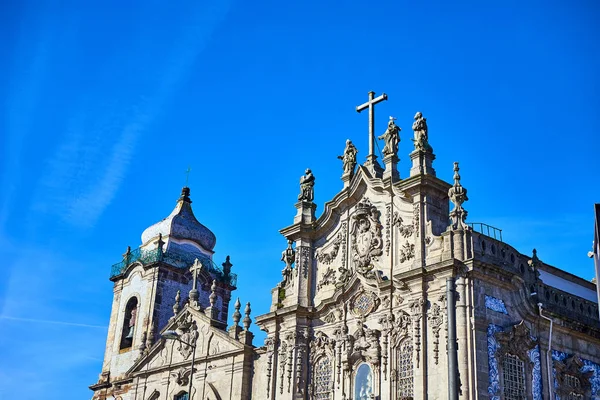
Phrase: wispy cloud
x=45 y=321
x=90 y=164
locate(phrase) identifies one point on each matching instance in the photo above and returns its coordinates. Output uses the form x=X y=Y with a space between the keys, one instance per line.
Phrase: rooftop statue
x=421 y=139
x=391 y=138
x=349 y=158
x=307 y=183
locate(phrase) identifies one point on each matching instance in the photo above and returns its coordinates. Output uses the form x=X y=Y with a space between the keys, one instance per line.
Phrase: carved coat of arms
x=367 y=243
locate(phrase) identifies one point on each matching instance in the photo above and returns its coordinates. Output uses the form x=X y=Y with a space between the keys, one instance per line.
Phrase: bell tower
x=150 y=283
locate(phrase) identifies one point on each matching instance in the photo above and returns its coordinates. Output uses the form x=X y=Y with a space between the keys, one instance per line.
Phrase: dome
x=181 y=224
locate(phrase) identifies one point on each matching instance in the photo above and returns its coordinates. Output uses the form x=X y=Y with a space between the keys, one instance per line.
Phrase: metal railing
x=486 y=230
x=177 y=260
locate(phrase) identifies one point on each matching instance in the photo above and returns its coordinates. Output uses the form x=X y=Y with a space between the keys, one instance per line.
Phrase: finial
x=187 y=175
x=307 y=183
x=185 y=195
x=247 y=320
x=194 y=295
x=421 y=139
x=236 y=314
x=458 y=195
x=176 y=305
x=227 y=266
x=288 y=256
x=213 y=295
x=150 y=339
x=535 y=262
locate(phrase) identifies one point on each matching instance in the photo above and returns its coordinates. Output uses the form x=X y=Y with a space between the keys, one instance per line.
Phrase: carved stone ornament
x=321 y=343
x=367 y=243
x=328 y=278
x=391 y=138
x=288 y=256
x=416 y=308
x=407 y=252
x=364 y=345
x=421 y=139
x=182 y=375
x=189 y=335
x=364 y=303
x=458 y=195
x=516 y=341
x=327 y=258
x=349 y=158
x=436 y=319
x=405 y=231
x=307 y=183
x=570 y=378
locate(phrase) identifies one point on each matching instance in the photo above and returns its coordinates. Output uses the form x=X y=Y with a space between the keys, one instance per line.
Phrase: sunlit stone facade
x=361 y=311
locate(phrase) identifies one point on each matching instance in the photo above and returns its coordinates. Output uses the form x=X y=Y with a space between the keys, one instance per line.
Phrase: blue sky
x=105 y=104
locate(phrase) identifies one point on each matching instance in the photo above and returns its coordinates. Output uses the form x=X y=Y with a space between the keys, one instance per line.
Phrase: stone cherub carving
x=391 y=138
x=349 y=158
x=307 y=183
x=421 y=139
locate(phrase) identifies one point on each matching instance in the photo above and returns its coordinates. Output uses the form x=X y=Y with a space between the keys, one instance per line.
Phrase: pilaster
x=391 y=167
x=422 y=163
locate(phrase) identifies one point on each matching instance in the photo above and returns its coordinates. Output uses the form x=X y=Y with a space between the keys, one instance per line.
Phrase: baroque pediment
x=194 y=328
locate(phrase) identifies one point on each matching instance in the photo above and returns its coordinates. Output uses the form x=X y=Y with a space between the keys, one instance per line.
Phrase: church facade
x=389 y=294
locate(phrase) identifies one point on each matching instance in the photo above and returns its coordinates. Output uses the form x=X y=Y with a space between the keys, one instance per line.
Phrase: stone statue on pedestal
x=421 y=139
x=349 y=158
x=391 y=138
x=307 y=183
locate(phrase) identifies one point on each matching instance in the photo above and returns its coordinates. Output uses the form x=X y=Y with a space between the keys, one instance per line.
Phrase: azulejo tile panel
x=495 y=304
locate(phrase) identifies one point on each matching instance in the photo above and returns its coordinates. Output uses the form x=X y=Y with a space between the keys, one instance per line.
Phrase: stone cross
x=195 y=269
x=187 y=175
x=371 y=106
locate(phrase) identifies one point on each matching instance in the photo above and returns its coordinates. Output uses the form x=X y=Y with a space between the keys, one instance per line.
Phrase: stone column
x=462 y=333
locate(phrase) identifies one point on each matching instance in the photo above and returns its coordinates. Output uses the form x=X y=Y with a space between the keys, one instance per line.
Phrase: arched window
x=129 y=321
x=181 y=396
x=513 y=371
x=363 y=383
x=322 y=379
x=405 y=377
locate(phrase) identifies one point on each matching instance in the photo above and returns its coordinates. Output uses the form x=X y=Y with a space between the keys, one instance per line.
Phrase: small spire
x=150 y=338
x=176 y=305
x=247 y=320
x=213 y=295
x=194 y=295
x=236 y=314
x=535 y=262
x=185 y=195
x=458 y=195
